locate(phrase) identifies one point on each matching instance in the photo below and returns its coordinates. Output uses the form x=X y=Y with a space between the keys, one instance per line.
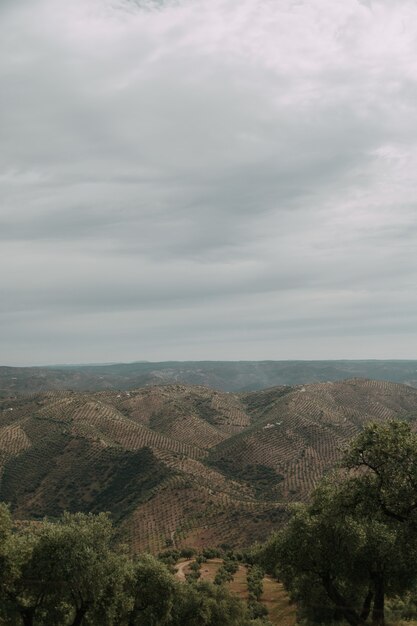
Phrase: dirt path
x=181 y=567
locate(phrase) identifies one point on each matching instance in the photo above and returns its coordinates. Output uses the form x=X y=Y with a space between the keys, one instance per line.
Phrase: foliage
x=187 y=553
x=356 y=542
x=261 y=478
x=68 y=573
x=226 y=571
x=257 y=610
x=204 y=604
x=169 y=557
x=211 y=553
x=154 y=590
x=194 y=573
x=387 y=454
x=255 y=578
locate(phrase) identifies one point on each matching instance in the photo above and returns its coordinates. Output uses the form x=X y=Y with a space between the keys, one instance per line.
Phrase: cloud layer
x=196 y=179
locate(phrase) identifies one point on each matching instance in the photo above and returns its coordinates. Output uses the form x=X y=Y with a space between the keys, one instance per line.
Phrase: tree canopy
x=355 y=543
x=69 y=573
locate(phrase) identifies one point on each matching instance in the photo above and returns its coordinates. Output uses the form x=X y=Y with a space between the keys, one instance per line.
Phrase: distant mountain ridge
x=234 y=376
x=183 y=465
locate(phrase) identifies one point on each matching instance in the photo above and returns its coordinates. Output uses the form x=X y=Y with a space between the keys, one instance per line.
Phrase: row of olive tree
x=68 y=574
x=355 y=543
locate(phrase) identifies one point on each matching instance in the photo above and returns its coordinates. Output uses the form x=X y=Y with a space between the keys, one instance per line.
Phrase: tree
x=5 y=534
x=205 y=604
x=66 y=573
x=387 y=456
x=356 y=543
x=22 y=595
x=75 y=559
x=153 y=591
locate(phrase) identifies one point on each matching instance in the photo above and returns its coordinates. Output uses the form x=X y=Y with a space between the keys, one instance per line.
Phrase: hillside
x=235 y=376
x=183 y=465
x=281 y=612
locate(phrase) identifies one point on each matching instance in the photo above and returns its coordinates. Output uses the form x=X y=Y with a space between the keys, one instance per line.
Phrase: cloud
x=203 y=171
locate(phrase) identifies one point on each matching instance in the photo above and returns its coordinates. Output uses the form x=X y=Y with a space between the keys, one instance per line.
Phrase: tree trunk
x=378 y=613
x=134 y=614
x=132 y=618
x=27 y=616
x=366 y=608
x=350 y=615
x=79 y=616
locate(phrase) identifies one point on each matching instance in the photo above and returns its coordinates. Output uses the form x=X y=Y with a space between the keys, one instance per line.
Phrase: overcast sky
x=207 y=179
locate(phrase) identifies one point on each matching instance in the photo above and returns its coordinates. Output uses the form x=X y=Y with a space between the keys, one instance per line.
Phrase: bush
x=211 y=553
x=257 y=610
x=169 y=557
x=255 y=578
x=187 y=553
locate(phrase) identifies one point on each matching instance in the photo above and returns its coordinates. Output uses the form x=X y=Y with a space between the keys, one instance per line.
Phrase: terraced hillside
x=183 y=465
x=299 y=435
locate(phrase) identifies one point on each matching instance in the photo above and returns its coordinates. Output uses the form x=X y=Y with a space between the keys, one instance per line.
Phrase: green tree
x=5 y=534
x=23 y=596
x=356 y=542
x=66 y=573
x=153 y=592
x=255 y=576
x=386 y=454
x=205 y=604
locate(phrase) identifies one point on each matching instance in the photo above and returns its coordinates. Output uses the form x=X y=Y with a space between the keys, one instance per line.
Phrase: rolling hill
x=236 y=376
x=183 y=464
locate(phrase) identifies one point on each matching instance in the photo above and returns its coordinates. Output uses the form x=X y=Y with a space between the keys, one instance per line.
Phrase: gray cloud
x=210 y=179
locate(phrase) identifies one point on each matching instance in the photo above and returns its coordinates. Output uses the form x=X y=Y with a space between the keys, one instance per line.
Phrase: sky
x=207 y=179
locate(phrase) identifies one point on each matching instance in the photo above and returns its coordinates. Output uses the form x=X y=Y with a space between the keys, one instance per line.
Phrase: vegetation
x=349 y=554
x=355 y=544
x=68 y=574
x=226 y=571
x=149 y=456
x=255 y=578
x=261 y=478
x=114 y=480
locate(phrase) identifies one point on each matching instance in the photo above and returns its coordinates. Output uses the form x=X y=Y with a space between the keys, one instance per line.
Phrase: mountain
x=183 y=464
x=233 y=376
